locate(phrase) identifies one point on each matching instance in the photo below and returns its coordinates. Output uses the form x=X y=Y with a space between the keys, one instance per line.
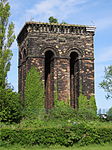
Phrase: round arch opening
x=49 y=79
x=74 y=79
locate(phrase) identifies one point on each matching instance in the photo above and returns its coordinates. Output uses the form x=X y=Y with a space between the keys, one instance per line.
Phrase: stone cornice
x=54 y=28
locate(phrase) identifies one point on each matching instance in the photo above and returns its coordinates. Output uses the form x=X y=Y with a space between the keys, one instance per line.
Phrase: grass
x=90 y=147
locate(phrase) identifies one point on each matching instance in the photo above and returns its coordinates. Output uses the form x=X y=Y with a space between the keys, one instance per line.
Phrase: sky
x=84 y=12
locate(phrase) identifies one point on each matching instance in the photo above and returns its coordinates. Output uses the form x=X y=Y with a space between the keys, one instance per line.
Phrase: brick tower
x=64 y=54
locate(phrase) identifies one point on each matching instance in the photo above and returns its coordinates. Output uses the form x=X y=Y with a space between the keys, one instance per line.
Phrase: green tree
x=53 y=20
x=9 y=100
x=6 y=39
x=34 y=94
x=109 y=114
x=106 y=84
x=10 y=106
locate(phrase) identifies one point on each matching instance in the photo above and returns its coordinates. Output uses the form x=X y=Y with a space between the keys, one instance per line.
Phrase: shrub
x=87 y=108
x=53 y=20
x=10 y=106
x=109 y=114
x=61 y=110
x=34 y=94
x=82 y=134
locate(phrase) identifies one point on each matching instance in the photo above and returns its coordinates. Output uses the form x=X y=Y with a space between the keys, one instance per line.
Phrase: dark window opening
x=24 y=54
x=49 y=79
x=20 y=56
x=74 y=79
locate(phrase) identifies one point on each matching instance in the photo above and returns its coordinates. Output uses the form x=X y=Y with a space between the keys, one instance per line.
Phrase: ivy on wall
x=34 y=94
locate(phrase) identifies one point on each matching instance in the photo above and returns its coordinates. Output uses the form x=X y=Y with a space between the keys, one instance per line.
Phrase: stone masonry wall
x=35 y=39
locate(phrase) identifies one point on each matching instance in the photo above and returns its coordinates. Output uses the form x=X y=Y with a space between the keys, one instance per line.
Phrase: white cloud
x=58 y=8
x=41 y=10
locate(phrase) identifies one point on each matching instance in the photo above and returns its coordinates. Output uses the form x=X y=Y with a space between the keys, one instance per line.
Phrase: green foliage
x=63 y=22
x=55 y=91
x=61 y=111
x=92 y=105
x=80 y=133
x=53 y=20
x=109 y=114
x=34 y=94
x=10 y=106
x=106 y=84
x=32 y=123
x=6 y=39
x=83 y=102
x=107 y=146
x=87 y=108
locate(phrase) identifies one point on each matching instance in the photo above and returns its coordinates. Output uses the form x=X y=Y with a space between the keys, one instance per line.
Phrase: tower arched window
x=49 y=79
x=74 y=79
x=24 y=53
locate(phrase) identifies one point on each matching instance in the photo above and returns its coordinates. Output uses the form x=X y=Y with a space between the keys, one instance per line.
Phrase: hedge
x=66 y=136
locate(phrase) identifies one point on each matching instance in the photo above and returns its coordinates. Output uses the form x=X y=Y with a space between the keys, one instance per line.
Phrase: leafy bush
x=87 y=108
x=109 y=114
x=10 y=106
x=53 y=20
x=31 y=123
x=34 y=94
x=61 y=110
x=81 y=133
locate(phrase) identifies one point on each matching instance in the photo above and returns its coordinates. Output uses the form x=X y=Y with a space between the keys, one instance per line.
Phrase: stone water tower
x=64 y=54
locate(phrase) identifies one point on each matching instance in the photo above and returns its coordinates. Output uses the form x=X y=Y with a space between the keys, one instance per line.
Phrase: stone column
x=63 y=79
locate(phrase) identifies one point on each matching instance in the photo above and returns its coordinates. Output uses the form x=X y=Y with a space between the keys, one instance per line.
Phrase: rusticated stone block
x=64 y=54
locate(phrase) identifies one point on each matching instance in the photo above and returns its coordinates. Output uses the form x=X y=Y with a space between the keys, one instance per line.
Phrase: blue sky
x=85 y=12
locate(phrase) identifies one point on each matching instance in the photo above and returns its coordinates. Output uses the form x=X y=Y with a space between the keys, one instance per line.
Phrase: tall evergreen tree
x=7 y=37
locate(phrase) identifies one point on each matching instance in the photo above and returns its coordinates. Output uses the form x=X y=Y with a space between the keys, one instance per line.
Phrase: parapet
x=54 y=28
